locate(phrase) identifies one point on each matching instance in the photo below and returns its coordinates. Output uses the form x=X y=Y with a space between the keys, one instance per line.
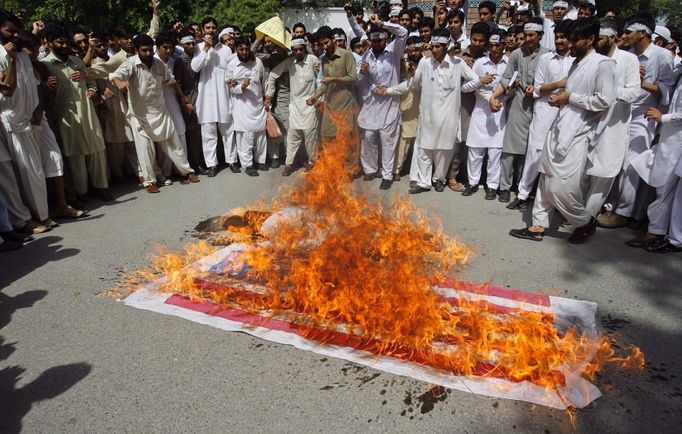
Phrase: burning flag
x=334 y=271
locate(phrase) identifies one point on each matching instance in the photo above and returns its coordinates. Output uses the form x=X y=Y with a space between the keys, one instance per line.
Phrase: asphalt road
x=72 y=360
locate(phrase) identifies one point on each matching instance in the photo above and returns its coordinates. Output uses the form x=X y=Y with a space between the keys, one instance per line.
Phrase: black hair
x=413 y=40
x=8 y=16
x=589 y=6
x=456 y=13
x=186 y=32
x=324 y=32
x=55 y=31
x=353 y=42
x=301 y=25
x=143 y=40
x=565 y=26
x=338 y=31
x=414 y=11
x=242 y=40
x=100 y=34
x=77 y=30
x=615 y=11
x=209 y=20
x=357 y=8
x=311 y=37
x=487 y=4
x=480 y=28
x=237 y=29
x=583 y=28
x=441 y=32
x=427 y=22
x=165 y=38
x=513 y=30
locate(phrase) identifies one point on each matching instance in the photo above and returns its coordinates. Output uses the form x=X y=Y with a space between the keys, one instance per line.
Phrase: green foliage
x=246 y=14
x=671 y=10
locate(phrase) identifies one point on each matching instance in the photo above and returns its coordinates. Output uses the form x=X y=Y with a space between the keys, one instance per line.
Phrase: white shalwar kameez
x=441 y=97
x=592 y=85
x=16 y=112
x=675 y=231
x=659 y=70
x=249 y=114
x=9 y=187
x=213 y=101
x=551 y=67
x=486 y=129
x=148 y=115
x=606 y=156
x=667 y=155
x=379 y=117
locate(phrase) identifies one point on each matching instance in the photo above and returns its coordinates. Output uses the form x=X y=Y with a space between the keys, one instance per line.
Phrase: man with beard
x=379 y=117
x=522 y=65
x=409 y=106
x=607 y=154
x=486 y=129
x=81 y=136
x=550 y=78
x=144 y=76
x=302 y=69
x=590 y=91
x=440 y=78
x=213 y=100
x=657 y=80
x=245 y=75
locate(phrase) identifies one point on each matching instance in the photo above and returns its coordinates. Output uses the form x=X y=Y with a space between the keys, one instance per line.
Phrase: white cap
x=592 y=2
x=396 y=2
x=662 y=32
x=225 y=31
x=394 y=13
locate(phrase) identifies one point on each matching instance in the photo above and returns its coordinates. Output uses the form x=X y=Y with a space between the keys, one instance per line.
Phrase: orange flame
x=345 y=259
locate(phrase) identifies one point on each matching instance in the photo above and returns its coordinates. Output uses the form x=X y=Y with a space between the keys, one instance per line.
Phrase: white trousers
x=530 y=172
x=430 y=165
x=9 y=193
x=675 y=232
x=209 y=138
x=562 y=194
x=475 y=166
x=53 y=165
x=597 y=192
x=294 y=138
x=146 y=155
x=641 y=135
x=25 y=150
x=660 y=209
x=386 y=140
x=251 y=147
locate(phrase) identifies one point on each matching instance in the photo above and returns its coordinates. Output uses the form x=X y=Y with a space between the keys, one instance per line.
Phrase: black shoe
x=581 y=234
x=385 y=184
x=274 y=164
x=370 y=176
x=490 y=194
x=664 y=246
x=504 y=196
x=417 y=189
x=201 y=170
x=262 y=167
x=469 y=190
x=234 y=168
x=439 y=186
x=517 y=203
x=15 y=237
x=105 y=194
x=527 y=234
x=8 y=246
x=288 y=170
x=211 y=172
x=413 y=184
x=252 y=171
x=396 y=177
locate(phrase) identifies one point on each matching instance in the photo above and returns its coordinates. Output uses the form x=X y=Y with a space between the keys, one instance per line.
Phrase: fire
x=338 y=259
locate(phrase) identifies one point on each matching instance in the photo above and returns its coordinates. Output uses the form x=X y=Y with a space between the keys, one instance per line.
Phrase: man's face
x=603 y=45
x=580 y=46
x=164 y=51
x=415 y=20
x=359 y=15
x=210 y=28
x=61 y=46
x=318 y=48
x=438 y=51
x=299 y=32
x=558 y=13
x=610 y=14
x=584 y=13
x=455 y=3
x=197 y=31
x=405 y=20
x=81 y=42
x=633 y=38
x=189 y=48
x=442 y=15
x=455 y=26
x=268 y=46
x=299 y=52
x=127 y=44
x=520 y=39
x=237 y=33
x=560 y=42
x=114 y=43
x=478 y=44
x=341 y=43
x=244 y=52
x=146 y=53
x=521 y=18
x=485 y=15
x=532 y=39
x=496 y=50
x=9 y=32
x=378 y=45
x=660 y=42
x=425 y=33
x=414 y=53
x=99 y=47
x=511 y=40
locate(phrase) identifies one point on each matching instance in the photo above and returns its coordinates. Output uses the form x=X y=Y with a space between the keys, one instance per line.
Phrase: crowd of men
x=571 y=112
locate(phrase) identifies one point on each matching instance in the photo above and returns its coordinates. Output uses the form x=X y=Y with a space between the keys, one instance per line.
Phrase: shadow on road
x=35 y=254
x=16 y=402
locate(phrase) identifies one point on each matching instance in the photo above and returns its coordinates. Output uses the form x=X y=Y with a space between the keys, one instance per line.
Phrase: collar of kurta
x=447 y=61
x=247 y=63
x=137 y=61
x=503 y=60
x=53 y=58
x=647 y=52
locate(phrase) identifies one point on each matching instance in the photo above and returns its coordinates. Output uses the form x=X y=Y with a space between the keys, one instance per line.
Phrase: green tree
x=246 y=14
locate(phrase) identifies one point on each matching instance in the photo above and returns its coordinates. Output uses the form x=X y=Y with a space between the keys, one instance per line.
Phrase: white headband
x=187 y=40
x=226 y=31
x=533 y=27
x=607 y=31
x=297 y=41
x=495 y=39
x=440 y=40
x=378 y=35
x=637 y=27
x=340 y=37
x=394 y=13
x=560 y=4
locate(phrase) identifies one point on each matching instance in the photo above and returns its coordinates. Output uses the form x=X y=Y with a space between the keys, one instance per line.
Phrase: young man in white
x=486 y=129
x=440 y=79
x=144 y=76
x=590 y=91
x=245 y=75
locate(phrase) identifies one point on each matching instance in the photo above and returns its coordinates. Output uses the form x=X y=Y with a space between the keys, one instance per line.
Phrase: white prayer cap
x=396 y=2
x=560 y=4
x=394 y=13
x=187 y=39
x=225 y=31
x=533 y=27
x=495 y=39
x=662 y=32
x=297 y=41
